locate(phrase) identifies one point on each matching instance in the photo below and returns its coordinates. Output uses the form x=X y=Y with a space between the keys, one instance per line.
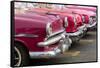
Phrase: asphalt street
x=82 y=51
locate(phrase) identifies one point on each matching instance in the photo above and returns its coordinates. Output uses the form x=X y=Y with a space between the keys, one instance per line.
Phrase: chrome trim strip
x=83 y=18
x=48 y=28
x=61 y=31
x=66 y=22
x=26 y=35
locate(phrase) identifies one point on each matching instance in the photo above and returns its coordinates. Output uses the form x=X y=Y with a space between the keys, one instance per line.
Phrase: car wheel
x=21 y=57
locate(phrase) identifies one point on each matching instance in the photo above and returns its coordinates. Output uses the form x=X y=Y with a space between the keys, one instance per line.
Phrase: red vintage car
x=89 y=17
x=38 y=36
x=74 y=25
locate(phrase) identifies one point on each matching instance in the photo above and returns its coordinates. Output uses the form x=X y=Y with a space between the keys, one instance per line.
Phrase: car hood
x=43 y=18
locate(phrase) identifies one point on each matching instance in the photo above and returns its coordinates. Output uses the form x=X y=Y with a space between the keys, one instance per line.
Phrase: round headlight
x=66 y=22
x=48 y=29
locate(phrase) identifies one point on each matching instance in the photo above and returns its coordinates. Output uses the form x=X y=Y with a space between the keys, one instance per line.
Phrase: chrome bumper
x=64 y=44
x=75 y=36
x=82 y=28
x=75 y=33
x=91 y=25
x=44 y=54
x=51 y=40
x=79 y=34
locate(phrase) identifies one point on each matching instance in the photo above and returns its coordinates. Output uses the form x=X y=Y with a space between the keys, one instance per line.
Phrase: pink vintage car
x=89 y=17
x=38 y=36
x=74 y=25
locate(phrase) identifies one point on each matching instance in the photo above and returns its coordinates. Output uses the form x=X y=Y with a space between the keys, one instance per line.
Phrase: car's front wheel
x=21 y=57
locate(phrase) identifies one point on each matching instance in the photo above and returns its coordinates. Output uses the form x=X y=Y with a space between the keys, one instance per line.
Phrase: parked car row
x=45 y=32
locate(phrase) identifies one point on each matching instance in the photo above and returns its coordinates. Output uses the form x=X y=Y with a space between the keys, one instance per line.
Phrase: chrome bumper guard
x=91 y=25
x=64 y=44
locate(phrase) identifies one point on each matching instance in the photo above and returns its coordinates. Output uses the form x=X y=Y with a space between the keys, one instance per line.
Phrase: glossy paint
x=85 y=13
x=72 y=27
x=34 y=24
